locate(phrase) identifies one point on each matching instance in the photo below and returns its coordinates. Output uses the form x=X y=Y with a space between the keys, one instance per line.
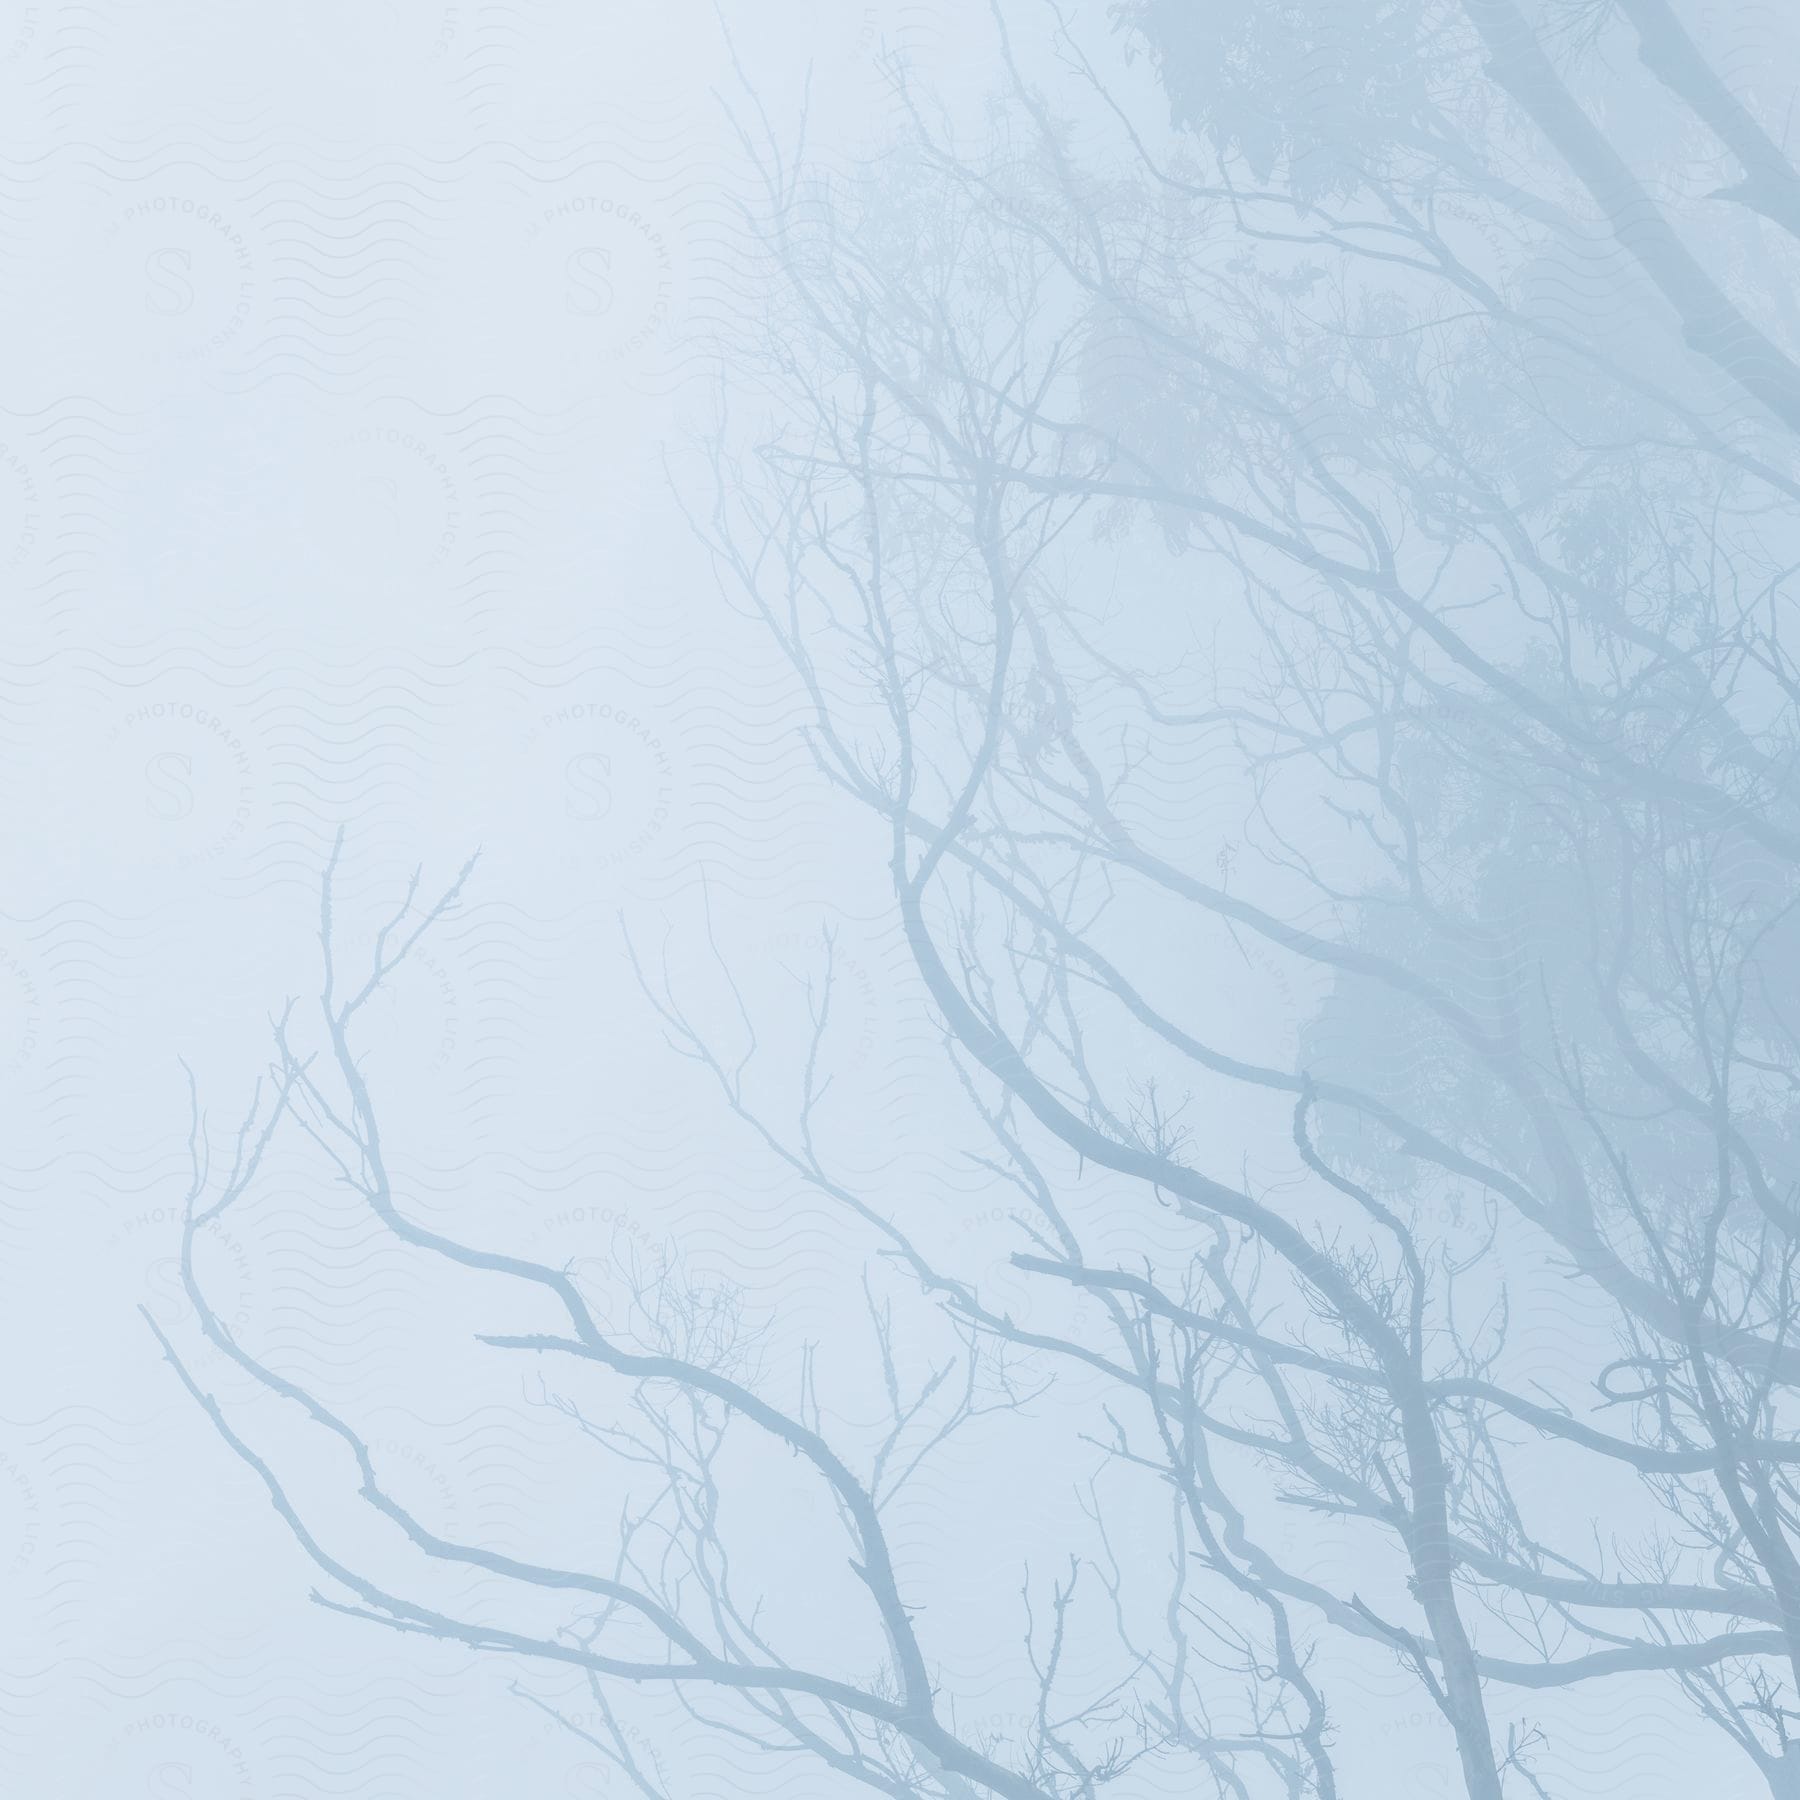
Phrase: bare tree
x=1294 y=597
